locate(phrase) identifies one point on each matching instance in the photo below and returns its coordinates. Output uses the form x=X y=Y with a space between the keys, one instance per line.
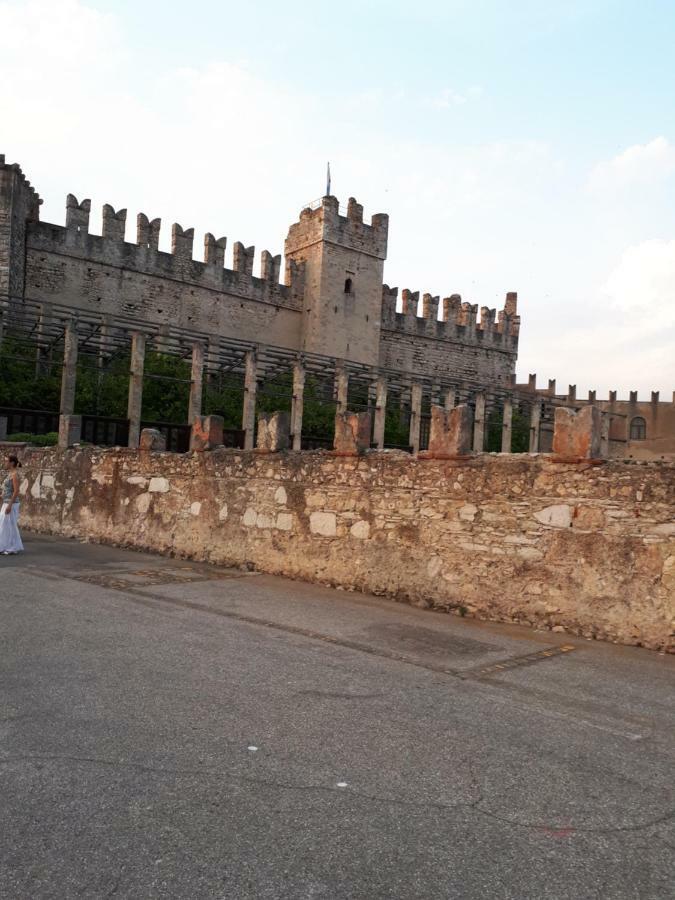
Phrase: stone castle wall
x=417 y=340
x=586 y=548
x=111 y=276
x=333 y=301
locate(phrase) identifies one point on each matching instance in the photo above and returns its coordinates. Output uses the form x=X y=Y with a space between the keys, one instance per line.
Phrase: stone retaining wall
x=581 y=547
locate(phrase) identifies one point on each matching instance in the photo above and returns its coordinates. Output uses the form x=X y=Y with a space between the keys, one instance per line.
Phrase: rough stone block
x=577 y=434
x=152 y=439
x=352 y=433
x=451 y=432
x=207 y=433
x=274 y=431
x=70 y=431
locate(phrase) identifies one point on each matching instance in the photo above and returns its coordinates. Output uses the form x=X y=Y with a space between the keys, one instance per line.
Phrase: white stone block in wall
x=557 y=516
x=323 y=523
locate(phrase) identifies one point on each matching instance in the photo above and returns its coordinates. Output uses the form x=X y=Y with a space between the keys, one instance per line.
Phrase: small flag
x=328 y=180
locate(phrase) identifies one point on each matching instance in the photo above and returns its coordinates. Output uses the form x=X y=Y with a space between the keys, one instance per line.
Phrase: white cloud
x=642 y=285
x=625 y=337
x=637 y=165
x=449 y=97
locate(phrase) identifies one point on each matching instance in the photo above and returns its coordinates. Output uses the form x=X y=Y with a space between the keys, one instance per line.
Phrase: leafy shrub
x=40 y=440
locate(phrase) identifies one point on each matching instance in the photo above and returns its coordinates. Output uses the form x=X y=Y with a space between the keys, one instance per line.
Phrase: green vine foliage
x=520 y=432
x=26 y=383
x=29 y=382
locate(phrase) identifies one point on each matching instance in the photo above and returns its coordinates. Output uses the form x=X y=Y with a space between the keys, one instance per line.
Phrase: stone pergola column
x=297 y=403
x=42 y=363
x=341 y=389
x=3 y=307
x=67 y=421
x=380 y=411
x=535 y=424
x=135 y=401
x=450 y=401
x=250 y=389
x=196 y=382
x=479 y=423
x=415 y=416
x=605 y=425
x=507 y=424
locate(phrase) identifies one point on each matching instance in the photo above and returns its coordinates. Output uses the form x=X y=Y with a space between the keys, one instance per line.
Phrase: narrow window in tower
x=348 y=286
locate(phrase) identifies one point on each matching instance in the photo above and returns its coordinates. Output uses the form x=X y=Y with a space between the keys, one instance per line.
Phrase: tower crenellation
x=214 y=250
x=113 y=224
x=77 y=214
x=147 y=232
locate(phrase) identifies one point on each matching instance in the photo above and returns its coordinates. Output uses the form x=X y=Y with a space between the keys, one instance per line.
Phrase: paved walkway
x=171 y=729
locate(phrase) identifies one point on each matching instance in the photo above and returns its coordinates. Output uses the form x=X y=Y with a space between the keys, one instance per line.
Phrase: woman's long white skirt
x=10 y=539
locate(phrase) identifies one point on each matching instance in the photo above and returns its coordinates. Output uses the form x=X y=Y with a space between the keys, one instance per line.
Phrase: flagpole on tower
x=327 y=179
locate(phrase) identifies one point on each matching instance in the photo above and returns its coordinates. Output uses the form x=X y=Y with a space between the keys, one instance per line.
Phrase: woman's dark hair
x=14 y=461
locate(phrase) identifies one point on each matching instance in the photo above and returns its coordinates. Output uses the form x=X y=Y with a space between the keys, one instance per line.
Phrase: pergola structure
x=96 y=339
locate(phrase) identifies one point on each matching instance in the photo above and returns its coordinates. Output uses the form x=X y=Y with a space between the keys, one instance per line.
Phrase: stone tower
x=19 y=204
x=343 y=262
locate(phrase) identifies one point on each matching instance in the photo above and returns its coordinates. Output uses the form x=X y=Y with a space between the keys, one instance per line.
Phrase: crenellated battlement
x=322 y=221
x=570 y=395
x=147 y=232
x=458 y=320
x=144 y=256
x=32 y=199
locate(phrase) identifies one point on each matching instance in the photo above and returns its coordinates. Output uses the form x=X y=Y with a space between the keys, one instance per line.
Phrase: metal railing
x=29 y=421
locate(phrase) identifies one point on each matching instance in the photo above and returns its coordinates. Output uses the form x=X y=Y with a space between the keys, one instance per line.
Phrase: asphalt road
x=170 y=729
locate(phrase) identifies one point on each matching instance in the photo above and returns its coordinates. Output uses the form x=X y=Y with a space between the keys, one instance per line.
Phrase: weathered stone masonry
x=585 y=547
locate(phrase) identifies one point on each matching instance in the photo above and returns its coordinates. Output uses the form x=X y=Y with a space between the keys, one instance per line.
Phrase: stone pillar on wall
x=250 y=389
x=297 y=404
x=577 y=435
x=273 y=431
x=535 y=424
x=196 y=382
x=415 y=416
x=507 y=422
x=206 y=433
x=479 y=423
x=352 y=433
x=380 y=411
x=451 y=432
x=135 y=401
x=68 y=384
x=70 y=431
x=341 y=389
x=450 y=399
x=152 y=440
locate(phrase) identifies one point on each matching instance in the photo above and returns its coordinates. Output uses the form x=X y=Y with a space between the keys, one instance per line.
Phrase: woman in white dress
x=10 y=539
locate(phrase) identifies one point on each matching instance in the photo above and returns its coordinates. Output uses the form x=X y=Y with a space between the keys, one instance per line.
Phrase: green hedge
x=40 y=440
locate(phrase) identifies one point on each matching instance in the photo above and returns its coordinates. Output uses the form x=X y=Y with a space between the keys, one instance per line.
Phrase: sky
x=519 y=145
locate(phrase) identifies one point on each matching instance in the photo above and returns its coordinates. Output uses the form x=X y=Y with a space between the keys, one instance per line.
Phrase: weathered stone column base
x=577 y=435
x=152 y=439
x=352 y=433
x=70 y=431
x=207 y=433
x=274 y=431
x=451 y=433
